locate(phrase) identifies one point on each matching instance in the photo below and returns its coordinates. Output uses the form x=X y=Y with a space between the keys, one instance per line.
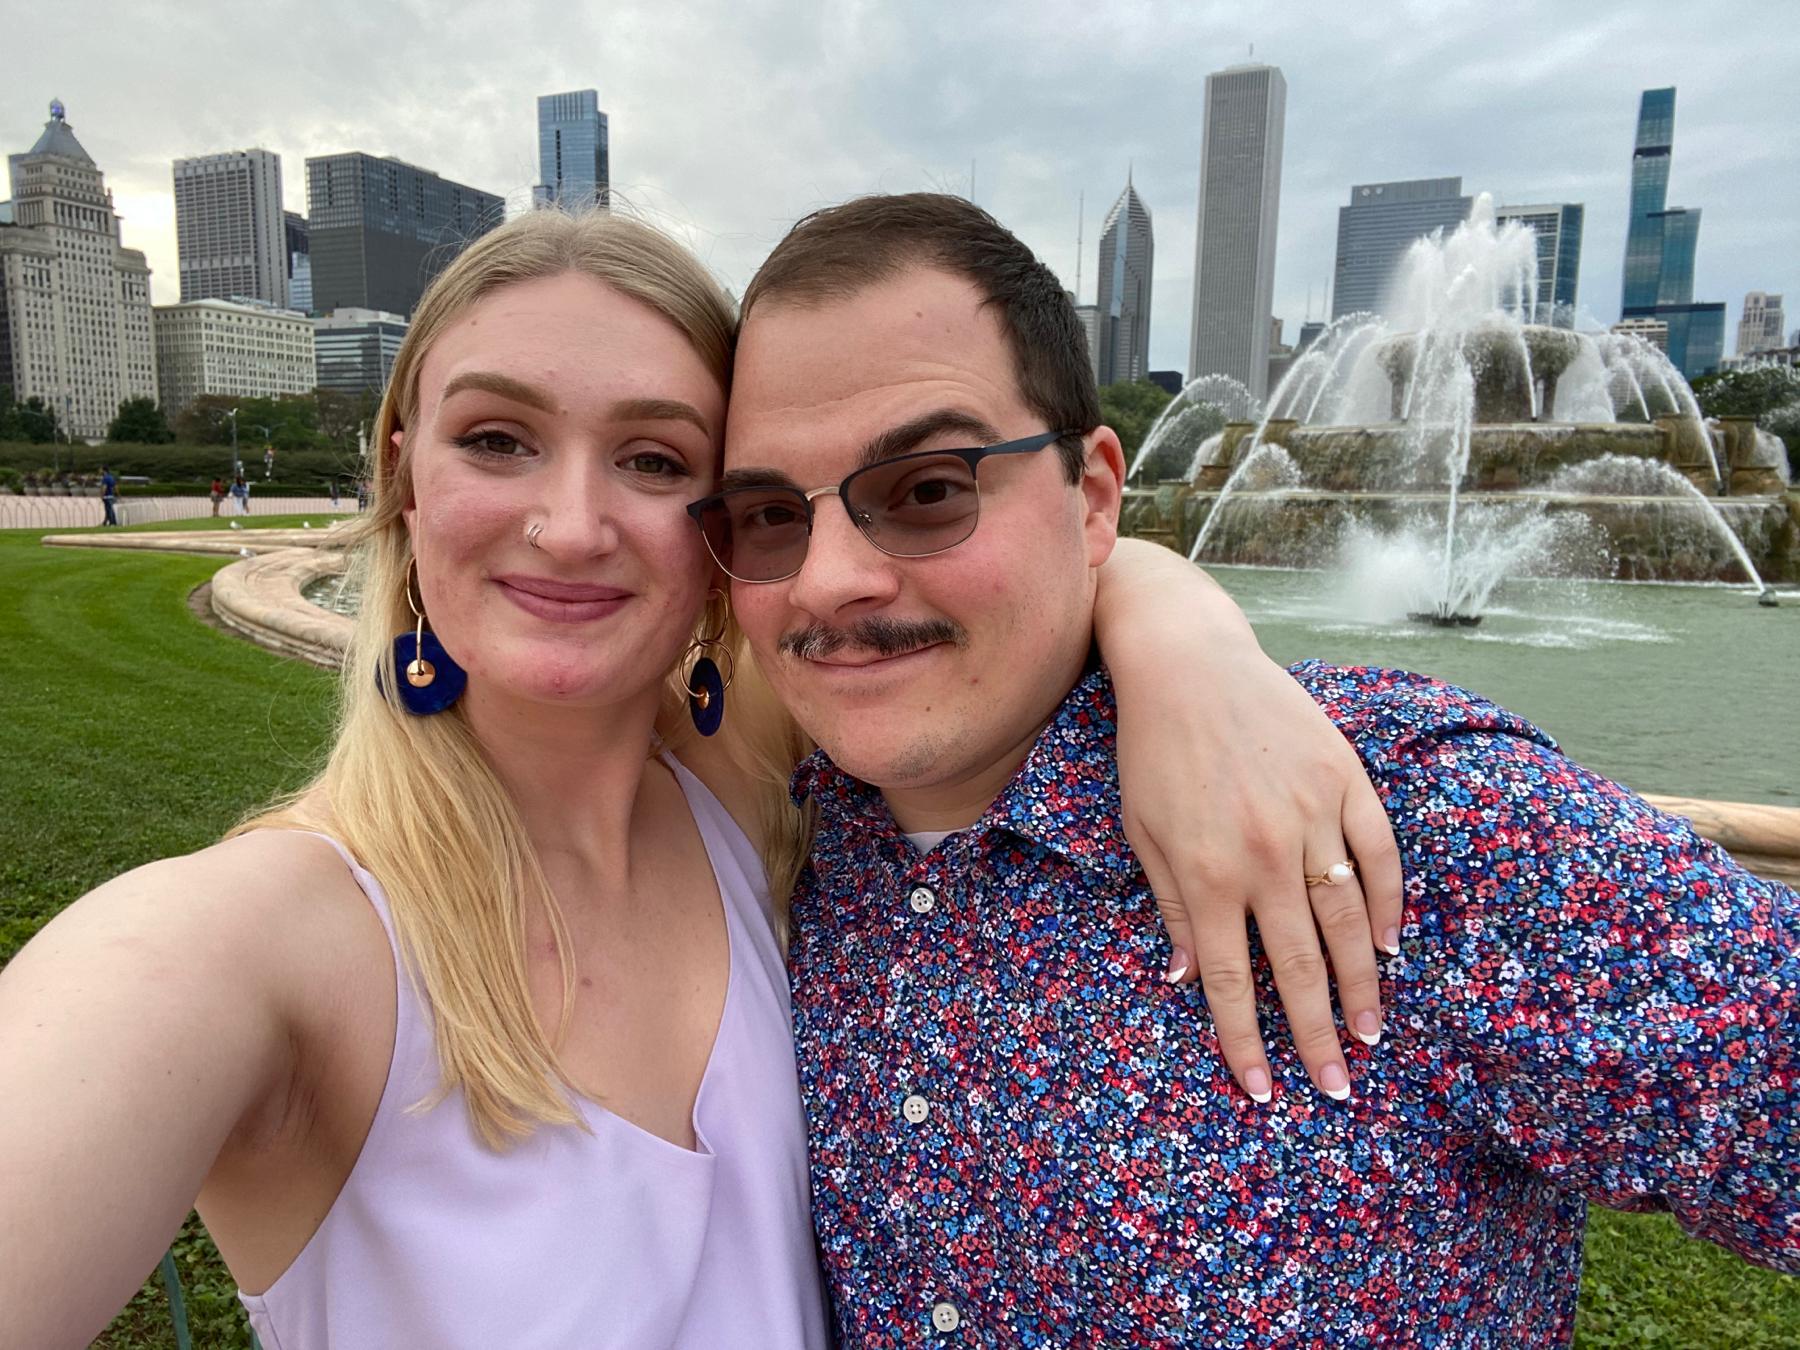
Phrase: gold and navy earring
x=704 y=684
x=430 y=681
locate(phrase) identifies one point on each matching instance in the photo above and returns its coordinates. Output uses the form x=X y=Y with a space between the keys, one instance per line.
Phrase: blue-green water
x=1687 y=690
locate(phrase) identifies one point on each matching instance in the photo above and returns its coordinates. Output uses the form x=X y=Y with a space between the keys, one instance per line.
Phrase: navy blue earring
x=430 y=681
x=704 y=684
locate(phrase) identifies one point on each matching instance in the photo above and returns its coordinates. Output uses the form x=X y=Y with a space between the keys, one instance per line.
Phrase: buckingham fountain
x=1431 y=457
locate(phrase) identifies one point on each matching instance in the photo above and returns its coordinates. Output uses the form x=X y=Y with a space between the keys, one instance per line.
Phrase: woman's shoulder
x=279 y=906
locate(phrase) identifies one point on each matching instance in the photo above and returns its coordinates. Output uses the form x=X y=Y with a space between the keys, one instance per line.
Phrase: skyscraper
x=574 y=167
x=1660 y=244
x=1759 y=330
x=229 y=227
x=1374 y=232
x=299 y=261
x=381 y=229
x=1127 y=251
x=1650 y=158
x=1558 y=231
x=74 y=304
x=1234 y=245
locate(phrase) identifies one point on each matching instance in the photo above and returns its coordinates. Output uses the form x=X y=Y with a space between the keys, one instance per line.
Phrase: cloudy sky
x=730 y=118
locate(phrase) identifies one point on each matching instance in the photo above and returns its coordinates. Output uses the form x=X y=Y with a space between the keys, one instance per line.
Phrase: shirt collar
x=1064 y=797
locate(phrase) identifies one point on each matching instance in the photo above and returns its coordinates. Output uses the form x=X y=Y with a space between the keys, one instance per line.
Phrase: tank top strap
x=737 y=865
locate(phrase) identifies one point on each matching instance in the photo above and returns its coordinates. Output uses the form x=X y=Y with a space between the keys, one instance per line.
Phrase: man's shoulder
x=1386 y=712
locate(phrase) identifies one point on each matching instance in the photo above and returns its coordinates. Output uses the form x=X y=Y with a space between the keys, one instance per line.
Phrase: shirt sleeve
x=1620 y=999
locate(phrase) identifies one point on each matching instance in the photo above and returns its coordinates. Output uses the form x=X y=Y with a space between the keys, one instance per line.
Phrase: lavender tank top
x=610 y=1238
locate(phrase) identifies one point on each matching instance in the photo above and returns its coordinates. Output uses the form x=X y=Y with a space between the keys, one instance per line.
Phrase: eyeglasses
x=911 y=506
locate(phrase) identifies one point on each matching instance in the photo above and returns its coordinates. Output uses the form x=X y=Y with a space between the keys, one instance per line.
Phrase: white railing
x=62 y=513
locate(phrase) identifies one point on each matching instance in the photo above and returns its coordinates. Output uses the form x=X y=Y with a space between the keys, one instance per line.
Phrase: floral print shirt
x=1021 y=1137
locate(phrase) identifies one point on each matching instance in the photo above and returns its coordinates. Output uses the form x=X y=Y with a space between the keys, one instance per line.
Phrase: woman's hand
x=1236 y=787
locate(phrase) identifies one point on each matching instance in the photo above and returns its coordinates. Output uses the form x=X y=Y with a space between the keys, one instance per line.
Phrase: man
x=109 y=496
x=1019 y=1134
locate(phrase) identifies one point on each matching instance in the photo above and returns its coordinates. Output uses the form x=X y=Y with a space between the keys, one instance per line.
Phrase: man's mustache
x=884 y=636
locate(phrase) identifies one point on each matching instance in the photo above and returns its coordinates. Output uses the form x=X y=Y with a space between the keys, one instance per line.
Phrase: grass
x=130 y=730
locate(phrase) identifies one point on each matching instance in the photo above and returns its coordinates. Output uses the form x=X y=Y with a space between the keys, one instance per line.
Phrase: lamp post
x=237 y=468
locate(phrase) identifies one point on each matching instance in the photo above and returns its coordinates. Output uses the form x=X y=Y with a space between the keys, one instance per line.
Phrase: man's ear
x=1102 y=490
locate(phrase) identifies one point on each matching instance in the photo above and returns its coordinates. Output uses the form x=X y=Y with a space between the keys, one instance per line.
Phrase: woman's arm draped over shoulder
x=1235 y=785
x=137 y=1031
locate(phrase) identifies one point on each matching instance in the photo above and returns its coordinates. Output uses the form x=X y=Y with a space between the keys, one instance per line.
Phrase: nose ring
x=531 y=534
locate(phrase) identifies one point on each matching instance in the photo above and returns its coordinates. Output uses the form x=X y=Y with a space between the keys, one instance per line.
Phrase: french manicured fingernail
x=1334 y=1082
x=1368 y=1027
x=1390 y=942
x=1178 y=967
x=1257 y=1084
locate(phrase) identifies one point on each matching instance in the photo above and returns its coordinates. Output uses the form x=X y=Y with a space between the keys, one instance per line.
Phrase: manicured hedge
x=193 y=464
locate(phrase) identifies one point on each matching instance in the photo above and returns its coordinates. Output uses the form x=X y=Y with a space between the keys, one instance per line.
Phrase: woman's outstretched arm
x=1235 y=787
x=137 y=1031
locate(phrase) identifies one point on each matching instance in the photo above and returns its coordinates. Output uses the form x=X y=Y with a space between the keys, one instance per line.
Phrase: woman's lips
x=562 y=601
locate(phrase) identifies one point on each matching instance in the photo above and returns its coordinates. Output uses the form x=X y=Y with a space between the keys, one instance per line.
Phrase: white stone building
x=230 y=230
x=233 y=347
x=74 y=303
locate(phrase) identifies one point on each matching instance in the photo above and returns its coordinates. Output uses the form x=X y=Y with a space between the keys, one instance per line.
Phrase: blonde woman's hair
x=415 y=799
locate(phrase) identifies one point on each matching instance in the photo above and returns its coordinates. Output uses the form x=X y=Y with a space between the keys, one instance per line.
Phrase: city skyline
x=869 y=104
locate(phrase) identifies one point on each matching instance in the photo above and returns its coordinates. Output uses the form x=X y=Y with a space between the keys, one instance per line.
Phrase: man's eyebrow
x=894 y=441
x=504 y=385
x=909 y=435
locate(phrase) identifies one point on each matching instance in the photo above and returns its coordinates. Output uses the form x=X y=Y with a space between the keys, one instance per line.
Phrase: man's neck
x=958 y=803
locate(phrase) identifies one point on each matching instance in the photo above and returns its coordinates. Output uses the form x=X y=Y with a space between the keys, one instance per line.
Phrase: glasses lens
x=914 y=507
x=758 y=534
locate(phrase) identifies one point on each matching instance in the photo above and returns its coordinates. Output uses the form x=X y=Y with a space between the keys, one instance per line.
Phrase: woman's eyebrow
x=504 y=385
x=658 y=410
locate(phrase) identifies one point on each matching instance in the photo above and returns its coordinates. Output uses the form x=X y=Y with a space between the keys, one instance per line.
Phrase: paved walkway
x=62 y=513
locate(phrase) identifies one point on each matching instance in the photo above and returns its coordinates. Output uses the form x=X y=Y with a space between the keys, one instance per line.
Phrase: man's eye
x=490 y=445
x=770 y=516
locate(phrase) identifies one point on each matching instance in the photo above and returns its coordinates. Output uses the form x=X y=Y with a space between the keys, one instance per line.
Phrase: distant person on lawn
x=109 y=495
x=218 y=494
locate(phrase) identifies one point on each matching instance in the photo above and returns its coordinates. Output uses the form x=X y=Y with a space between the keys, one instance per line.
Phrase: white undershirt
x=926 y=840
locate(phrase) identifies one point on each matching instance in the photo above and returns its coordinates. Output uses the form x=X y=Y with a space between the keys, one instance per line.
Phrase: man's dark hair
x=835 y=253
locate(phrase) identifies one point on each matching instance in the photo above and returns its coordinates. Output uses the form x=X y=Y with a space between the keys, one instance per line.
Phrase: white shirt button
x=915 y=1108
x=922 y=900
x=945 y=1317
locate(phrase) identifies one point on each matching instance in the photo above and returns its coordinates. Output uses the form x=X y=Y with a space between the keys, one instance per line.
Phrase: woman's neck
x=574 y=773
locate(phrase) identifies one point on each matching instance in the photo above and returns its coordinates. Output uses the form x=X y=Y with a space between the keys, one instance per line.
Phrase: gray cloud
x=731 y=119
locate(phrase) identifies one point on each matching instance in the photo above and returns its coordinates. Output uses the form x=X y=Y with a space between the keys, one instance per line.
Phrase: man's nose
x=842 y=568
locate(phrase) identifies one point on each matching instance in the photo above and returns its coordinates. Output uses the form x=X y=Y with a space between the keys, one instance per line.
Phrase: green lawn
x=130 y=730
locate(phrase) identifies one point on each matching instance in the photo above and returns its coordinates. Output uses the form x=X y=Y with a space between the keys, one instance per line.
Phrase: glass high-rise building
x=1558 y=231
x=1381 y=223
x=1127 y=252
x=299 y=262
x=381 y=229
x=1660 y=246
x=228 y=227
x=1650 y=160
x=574 y=165
x=1234 y=244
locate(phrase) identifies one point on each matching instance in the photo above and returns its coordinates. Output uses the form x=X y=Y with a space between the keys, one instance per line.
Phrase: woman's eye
x=656 y=465
x=491 y=445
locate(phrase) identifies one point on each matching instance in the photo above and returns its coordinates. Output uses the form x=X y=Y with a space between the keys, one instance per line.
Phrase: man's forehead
x=854 y=366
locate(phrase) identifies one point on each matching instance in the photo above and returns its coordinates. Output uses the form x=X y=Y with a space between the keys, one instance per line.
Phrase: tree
x=140 y=422
x=1129 y=408
x=1770 y=394
x=1179 y=438
x=33 y=420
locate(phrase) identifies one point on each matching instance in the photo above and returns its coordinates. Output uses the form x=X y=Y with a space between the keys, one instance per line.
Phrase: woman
x=481 y=1038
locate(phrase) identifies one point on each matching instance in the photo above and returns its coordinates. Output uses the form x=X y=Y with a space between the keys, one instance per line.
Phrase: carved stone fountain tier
x=1505 y=360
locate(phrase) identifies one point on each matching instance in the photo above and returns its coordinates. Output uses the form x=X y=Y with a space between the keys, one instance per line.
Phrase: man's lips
x=561 y=601
x=861 y=658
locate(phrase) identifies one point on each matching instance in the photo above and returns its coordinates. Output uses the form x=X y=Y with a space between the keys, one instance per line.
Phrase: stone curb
x=261 y=598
